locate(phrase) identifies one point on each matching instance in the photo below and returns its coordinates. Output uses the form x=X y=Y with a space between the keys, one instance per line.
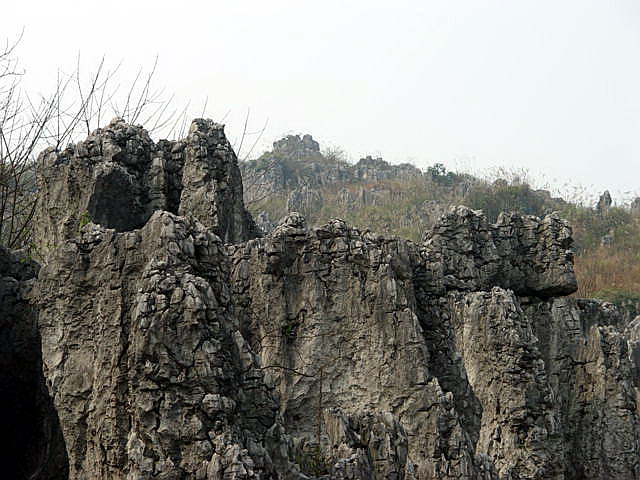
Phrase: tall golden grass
x=606 y=268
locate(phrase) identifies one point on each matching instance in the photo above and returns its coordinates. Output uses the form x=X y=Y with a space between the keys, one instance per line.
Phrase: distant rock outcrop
x=304 y=199
x=177 y=344
x=294 y=146
x=297 y=171
x=604 y=203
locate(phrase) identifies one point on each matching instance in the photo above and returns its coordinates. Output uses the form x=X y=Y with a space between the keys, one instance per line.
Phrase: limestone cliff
x=176 y=343
x=144 y=361
x=118 y=177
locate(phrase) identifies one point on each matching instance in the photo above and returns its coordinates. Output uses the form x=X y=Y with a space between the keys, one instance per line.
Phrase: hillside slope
x=401 y=200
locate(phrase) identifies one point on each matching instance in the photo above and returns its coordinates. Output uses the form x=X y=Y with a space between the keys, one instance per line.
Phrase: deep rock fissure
x=31 y=437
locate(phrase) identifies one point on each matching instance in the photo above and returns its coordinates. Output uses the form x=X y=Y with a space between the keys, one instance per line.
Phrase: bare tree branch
x=76 y=105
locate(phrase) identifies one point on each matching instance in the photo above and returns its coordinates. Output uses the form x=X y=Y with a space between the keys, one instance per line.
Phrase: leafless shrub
x=78 y=104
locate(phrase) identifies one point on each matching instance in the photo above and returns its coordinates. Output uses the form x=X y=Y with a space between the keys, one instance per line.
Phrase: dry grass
x=605 y=268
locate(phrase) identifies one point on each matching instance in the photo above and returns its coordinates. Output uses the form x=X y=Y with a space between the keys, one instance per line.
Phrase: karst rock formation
x=162 y=336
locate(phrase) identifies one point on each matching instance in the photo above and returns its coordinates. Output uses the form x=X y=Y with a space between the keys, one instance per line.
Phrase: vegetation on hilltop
x=405 y=204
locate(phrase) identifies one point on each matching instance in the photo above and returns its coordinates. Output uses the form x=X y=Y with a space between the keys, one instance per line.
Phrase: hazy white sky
x=550 y=86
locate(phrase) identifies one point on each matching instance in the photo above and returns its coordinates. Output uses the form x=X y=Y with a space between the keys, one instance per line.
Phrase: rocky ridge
x=167 y=339
x=297 y=176
x=296 y=161
x=298 y=171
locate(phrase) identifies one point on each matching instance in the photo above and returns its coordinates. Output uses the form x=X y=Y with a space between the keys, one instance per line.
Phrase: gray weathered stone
x=342 y=329
x=177 y=344
x=118 y=177
x=528 y=255
x=143 y=359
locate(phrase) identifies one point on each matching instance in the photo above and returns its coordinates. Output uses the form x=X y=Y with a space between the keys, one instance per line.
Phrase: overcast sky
x=549 y=86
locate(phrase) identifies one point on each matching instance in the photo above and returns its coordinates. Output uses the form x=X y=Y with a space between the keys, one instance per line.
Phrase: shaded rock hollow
x=118 y=177
x=32 y=442
x=177 y=343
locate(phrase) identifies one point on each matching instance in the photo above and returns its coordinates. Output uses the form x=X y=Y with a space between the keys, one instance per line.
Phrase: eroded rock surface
x=118 y=177
x=179 y=345
x=459 y=344
x=342 y=330
x=145 y=364
x=528 y=255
